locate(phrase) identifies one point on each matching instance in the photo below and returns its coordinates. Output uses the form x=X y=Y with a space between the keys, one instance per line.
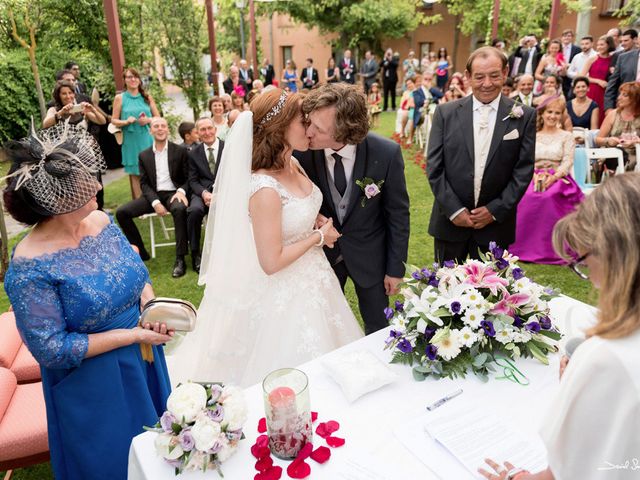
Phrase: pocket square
x=512 y=135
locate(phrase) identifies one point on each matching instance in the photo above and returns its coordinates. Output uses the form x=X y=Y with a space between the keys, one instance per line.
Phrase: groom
x=361 y=176
x=480 y=162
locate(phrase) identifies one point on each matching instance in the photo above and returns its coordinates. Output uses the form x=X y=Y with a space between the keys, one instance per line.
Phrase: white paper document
x=475 y=435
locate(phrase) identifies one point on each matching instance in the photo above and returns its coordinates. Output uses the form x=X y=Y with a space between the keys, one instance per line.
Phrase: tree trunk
x=36 y=79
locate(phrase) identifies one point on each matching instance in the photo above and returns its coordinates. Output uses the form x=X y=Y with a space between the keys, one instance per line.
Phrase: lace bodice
x=555 y=151
x=298 y=213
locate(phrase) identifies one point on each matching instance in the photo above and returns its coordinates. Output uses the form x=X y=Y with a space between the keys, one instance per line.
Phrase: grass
x=420 y=253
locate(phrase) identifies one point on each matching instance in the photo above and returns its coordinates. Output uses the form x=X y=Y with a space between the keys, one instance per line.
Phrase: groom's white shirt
x=348 y=154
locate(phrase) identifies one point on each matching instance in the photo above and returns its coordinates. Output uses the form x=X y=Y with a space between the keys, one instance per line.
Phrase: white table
x=378 y=425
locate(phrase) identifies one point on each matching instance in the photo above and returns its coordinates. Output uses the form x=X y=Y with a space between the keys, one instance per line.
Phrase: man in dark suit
x=626 y=71
x=389 y=78
x=526 y=57
x=569 y=50
x=361 y=177
x=309 y=76
x=81 y=88
x=481 y=158
x=164 y=184
x=347 y=68
x=204 y=161
x=234 y=81
x=369 y=71
x=246 y=73
x=267 y=72
x=627 y=42
x=423 y=95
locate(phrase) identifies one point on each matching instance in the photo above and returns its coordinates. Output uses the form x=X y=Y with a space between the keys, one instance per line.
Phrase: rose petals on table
x=273 y=473
x=260 y=449
x=321 y=454
x=335 y=441
x=326 y=429
x=314 y=416
x=298 y=469
x=262 y=425
x=264 y=464
x=305 y=451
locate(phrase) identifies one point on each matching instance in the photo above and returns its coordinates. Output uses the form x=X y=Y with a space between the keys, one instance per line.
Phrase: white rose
x=205 y=432
x=225 y=452
x=195 y=462
x=186 y=401
x=168 y=446
x=235 y=408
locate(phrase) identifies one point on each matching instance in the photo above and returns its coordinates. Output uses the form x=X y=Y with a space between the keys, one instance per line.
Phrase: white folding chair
x=152 y=233
x=602 y=153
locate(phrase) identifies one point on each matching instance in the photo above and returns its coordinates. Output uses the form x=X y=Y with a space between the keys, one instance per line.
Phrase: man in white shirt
x=164 y=184
x=579 y=61
x=524 y=90
x=309 y=76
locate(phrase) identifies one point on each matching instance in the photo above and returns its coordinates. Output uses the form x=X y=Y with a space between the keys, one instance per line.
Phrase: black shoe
x=195 y=262
x=179 y=268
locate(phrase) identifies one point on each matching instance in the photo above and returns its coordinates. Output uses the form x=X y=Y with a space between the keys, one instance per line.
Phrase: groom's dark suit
x=375 y=236
x=450 y=169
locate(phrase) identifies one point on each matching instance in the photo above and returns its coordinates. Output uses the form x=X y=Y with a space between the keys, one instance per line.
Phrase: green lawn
x=420 y=253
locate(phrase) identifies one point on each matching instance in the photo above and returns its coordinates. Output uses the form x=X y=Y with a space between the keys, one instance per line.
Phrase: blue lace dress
x=95 y=406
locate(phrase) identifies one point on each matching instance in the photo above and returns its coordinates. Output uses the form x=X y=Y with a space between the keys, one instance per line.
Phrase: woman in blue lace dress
x=76 y=287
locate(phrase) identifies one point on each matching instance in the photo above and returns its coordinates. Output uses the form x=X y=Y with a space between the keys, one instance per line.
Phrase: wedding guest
x=455 y=90
x=309 y=76
x=373 y=102
x=189 y=135
x=583 y=111
x=410 y=66
x=389 y=78
x=80 y=87
x=550 y=88
x=552 y=62
x=524 y=92
x=267 y=72
x=600 y=239
x=347 y=68
x=508 y=88
x=333 y=72
x=76 y=287
x=569 y=51
x=65 y=108
x=443 y=67
x=246 y=74
x=238 y=102
x=621 y=127
x=133 y=110
x=235 y=84
x=579 y=60
x=552 y=190
x=597 y=70
x=289 y=77
x=423 y=95
x=405 y=113
x=164 y=182
x=626 y=71
x=216 y=107
x=226 y=101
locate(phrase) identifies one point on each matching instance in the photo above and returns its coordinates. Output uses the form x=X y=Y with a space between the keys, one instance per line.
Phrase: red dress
x=600 y=70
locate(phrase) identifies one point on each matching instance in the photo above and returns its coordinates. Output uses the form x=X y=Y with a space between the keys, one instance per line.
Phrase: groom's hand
x=320 y=221
x=206 y=197
x=463 y=219
x=391 y=285
x=481 y=217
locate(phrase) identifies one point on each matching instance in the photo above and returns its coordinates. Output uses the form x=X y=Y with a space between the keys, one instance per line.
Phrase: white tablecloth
x=384 y=437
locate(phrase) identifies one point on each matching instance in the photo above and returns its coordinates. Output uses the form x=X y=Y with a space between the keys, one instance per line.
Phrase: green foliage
x=630 y=13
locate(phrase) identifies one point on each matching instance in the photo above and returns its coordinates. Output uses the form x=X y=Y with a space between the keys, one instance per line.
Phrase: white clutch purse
x=176 y=314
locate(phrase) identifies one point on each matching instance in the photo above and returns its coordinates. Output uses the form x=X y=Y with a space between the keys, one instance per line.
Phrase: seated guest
x=226 y=101
x=552 y=193
x=552 y=89
x=405 y=112
x=423 y=95
x=601 y=240
x=189 y=135
x=456 y=89
x=76 y=287
x=508 y=88
x=621 y=126
x=524 y=90
x=216 y=107
x=583 y=111
x=164 y=183
x=204 y=162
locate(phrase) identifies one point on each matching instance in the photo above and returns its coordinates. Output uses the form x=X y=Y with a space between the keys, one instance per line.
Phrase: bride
x=271 y=298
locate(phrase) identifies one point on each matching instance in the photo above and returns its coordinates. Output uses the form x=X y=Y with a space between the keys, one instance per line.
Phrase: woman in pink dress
x=597 y=70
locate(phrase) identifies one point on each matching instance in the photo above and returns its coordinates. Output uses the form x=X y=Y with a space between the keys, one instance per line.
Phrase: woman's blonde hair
x=550 y=102
x=607 y=225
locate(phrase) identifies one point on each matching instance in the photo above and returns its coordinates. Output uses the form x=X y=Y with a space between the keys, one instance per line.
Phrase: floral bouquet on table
x=458 y=318
x=201 y=427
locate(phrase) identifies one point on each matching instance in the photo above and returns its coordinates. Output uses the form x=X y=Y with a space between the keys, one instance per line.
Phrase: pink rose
x=371 y=190
x=517 y=111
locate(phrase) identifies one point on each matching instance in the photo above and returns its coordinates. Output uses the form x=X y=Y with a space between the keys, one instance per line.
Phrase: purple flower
x=431 y=352
x=549 y=291
x=217 y=446
x=399 y=306
x=433 y=281
x=234 y=435
x=545 y=323
x=371 y=190
x=417 y=275
x=216 y=391
x=455 y=307
x=517 y=273
x=216 y=415
x=429 y=333
x=449 y=263
x=404 y=346
x=501 y=264
x=174 y=463
x=487 y=326
x=394 y=334
x=517 y=321
x=492 y=245
x=166 y=421
x=187 y=442
x=388 y=313
x=533 y=327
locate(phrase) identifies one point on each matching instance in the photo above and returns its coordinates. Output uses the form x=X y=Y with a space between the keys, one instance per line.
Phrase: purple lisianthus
x=417 y=275
x=166 y=421
x=517 y=321
x=399 y=306
x=455 y=307
x=501 y=264
x=404 y=346
x=187 y=442
x=431 y=351
x=545 y=323
x=174 y=463
x=216 y=391
x=517 y=273
x=392 y=335
x=549 y=291
x=216 y=415
x=487 y=326
x=433 y=281
x=533 y=327
x=388 y=313
x=429 y=333
x=449 y=263
x=217 y=446
x=495 y=250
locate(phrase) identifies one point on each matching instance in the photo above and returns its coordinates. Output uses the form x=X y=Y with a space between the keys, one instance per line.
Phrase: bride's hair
x=270 y=124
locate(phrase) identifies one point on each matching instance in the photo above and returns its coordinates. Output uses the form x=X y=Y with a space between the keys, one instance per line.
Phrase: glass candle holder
x=287 y=409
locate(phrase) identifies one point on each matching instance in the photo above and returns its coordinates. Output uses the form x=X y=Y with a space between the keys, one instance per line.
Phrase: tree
x=631 y=12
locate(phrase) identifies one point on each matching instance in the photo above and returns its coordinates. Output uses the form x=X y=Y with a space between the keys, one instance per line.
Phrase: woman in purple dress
x=552 y=193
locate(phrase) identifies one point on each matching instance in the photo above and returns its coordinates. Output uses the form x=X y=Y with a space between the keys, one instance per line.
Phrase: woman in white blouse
x=593 y=429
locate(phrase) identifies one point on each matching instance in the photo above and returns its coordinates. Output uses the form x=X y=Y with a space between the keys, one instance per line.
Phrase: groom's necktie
x=211 y=159
x=339 y=177
x=482 y=142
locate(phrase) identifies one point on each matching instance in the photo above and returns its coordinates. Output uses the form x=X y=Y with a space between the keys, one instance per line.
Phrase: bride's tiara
x=275 y=110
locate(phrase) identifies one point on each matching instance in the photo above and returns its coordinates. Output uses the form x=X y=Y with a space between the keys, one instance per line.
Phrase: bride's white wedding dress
x=270 y=322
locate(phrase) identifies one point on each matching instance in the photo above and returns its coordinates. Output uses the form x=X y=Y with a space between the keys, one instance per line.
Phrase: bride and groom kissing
x=298 y=173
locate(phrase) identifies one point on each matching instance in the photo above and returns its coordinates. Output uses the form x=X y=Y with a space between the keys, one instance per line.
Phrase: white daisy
x=504 y=332
x=473 y=318
x=449 y=345
x=467 y=337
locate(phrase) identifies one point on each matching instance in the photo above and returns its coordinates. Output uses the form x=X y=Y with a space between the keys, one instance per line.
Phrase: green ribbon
x=511 y=372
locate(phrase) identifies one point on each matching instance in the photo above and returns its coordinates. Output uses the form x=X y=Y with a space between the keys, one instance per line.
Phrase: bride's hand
x=320 y=221
x=330 y=233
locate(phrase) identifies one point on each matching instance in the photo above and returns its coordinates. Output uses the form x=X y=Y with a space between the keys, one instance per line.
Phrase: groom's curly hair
x=352 y=122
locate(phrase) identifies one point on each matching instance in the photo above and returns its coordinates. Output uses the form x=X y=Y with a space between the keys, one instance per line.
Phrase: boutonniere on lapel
x=370 y=187
x=516 y=111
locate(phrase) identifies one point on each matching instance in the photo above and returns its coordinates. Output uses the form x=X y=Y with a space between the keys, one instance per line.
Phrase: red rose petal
x=264 y=464
x=305 y=451
x=321 y=430
x=262 y=425
x=274 y=473
x=332 y=426
x=262 y=441
x=260 y=452
x=335 y=441
x=314 y=416
x=321 y=454
x=299 y=469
